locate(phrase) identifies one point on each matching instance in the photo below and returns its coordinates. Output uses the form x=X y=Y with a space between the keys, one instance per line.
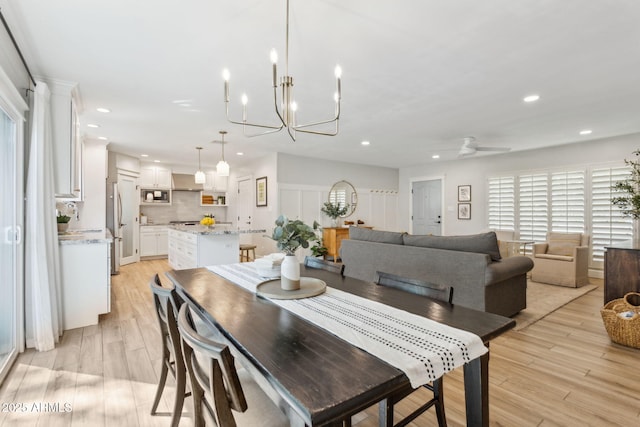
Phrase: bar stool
x=244 y=252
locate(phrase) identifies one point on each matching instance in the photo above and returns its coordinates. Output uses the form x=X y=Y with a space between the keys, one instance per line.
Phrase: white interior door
x=245 y=208
x=128 y=219
x=10 y=243
x=426 y=215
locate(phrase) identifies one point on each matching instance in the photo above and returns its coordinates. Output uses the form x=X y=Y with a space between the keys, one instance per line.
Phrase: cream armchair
x=562 y=260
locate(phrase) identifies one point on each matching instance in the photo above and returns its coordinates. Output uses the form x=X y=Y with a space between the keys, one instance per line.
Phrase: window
x=567 y=202
x=502 y=214
x=561 y=201
x=533 y=216
x=608 y=225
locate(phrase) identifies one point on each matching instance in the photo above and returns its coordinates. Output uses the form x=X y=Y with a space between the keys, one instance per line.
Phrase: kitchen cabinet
x=154 y=240
x=86 y=283
x=67 y=142
x=154 y=177
x=215 y=182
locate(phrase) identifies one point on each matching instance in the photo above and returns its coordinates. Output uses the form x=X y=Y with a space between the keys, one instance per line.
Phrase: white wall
x=475 y=171
x=262 y=217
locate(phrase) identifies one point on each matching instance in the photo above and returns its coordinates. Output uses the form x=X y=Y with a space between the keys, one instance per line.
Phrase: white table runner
x=422 y=348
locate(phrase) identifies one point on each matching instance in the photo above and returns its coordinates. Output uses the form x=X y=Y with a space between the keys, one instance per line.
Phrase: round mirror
x=344 y=194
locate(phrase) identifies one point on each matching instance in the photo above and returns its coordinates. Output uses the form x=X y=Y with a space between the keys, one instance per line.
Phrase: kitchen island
x=192 y=246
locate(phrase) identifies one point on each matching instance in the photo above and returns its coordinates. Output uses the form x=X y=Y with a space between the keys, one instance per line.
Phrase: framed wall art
x=261 y=191
x=464 y=210
x=464 y=193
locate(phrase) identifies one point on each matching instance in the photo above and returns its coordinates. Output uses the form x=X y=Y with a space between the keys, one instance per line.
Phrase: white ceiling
x=418 y=75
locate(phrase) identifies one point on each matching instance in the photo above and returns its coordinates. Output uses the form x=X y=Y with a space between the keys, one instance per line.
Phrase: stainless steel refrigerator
x=114 y=219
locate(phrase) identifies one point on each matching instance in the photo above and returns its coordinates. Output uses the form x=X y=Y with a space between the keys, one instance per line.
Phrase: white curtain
x=43 y=310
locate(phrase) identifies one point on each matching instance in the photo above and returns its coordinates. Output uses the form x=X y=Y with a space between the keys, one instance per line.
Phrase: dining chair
x=217 y=385
x=167 y=302
x=314 y=262
x=386 y=407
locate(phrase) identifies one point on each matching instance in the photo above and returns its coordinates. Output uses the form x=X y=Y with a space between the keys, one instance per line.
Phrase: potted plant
x=289 y=237
x=63 y=222
x=318 y=249
x=334 y=211
x=627 y=196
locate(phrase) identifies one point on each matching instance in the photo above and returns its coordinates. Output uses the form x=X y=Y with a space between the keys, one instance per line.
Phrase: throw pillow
x=378 y=236
x=485 y=243
x=563 y=243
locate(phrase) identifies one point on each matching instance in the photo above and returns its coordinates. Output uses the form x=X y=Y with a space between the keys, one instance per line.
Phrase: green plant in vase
x=289 y=237
x=63 y=222
x=334 y=211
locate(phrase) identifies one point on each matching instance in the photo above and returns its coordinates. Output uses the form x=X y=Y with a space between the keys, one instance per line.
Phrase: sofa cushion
x=563 y=243
x=485 y=243
x=378 y=236
x=555 y=257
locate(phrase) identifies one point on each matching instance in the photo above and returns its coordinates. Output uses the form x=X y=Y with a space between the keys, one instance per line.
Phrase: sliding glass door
x=11 y=241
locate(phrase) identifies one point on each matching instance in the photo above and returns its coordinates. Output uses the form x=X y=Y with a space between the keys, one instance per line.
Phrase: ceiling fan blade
x=493 y=148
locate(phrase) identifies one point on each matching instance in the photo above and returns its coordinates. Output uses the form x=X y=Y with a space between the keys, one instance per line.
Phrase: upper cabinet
x=154 y=177
x=67 y=142
x=214 y=182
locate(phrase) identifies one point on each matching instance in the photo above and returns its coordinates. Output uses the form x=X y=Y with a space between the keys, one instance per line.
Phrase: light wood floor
x=561 y=371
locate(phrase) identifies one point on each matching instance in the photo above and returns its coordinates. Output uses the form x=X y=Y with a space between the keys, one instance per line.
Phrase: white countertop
x=218 y=229
x=84 y=237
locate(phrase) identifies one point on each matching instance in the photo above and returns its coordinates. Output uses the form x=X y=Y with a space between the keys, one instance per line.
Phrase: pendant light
x=222 y=168
x=199 y=175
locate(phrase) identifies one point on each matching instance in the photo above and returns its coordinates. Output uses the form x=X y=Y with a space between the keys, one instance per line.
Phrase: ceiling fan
x=470 y=147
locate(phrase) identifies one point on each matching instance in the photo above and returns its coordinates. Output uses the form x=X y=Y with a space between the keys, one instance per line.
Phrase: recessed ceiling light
x=586 y=132
x=144 y=155
x=240 y=153
x=103 y=138
x=103 y=110
x=531 y=98
x=435 y=156
x=365 y=143
x=92 y=125
x=156 y=161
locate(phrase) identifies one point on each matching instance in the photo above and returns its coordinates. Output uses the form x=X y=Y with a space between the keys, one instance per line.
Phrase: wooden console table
x=332 y=239
x=621 y=269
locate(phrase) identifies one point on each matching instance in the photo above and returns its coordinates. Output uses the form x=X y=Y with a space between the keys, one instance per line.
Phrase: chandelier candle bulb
x=226 y=76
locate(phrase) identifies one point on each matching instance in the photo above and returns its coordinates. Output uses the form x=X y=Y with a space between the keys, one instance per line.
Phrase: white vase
x=636 y=230
x=290 y=273
x=335 y=222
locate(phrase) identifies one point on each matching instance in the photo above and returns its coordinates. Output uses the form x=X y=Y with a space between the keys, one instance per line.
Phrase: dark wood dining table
x=315 y=377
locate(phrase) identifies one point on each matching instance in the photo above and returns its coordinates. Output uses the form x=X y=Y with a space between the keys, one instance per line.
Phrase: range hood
x=185 y=182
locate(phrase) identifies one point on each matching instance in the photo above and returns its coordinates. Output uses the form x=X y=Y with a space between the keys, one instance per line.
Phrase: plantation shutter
x=338 y=197
x=533 y=207
x=502 y=203
x=608 y=225
x=567 y=202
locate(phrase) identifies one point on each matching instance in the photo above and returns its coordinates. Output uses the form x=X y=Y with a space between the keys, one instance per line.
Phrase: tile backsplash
x=185 y=206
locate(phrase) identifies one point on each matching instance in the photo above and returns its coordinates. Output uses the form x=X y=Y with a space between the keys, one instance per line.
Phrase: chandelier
x=222 y=168
x=285 y=108
x=199 y=175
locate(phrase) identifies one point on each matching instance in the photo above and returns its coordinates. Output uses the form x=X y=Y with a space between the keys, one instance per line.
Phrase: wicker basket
x=625 y=331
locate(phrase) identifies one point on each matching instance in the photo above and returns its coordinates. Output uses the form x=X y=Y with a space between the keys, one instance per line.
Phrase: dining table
x=315 y=377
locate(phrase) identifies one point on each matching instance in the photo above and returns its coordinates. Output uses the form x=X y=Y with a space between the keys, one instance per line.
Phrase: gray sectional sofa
x=472 y=265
